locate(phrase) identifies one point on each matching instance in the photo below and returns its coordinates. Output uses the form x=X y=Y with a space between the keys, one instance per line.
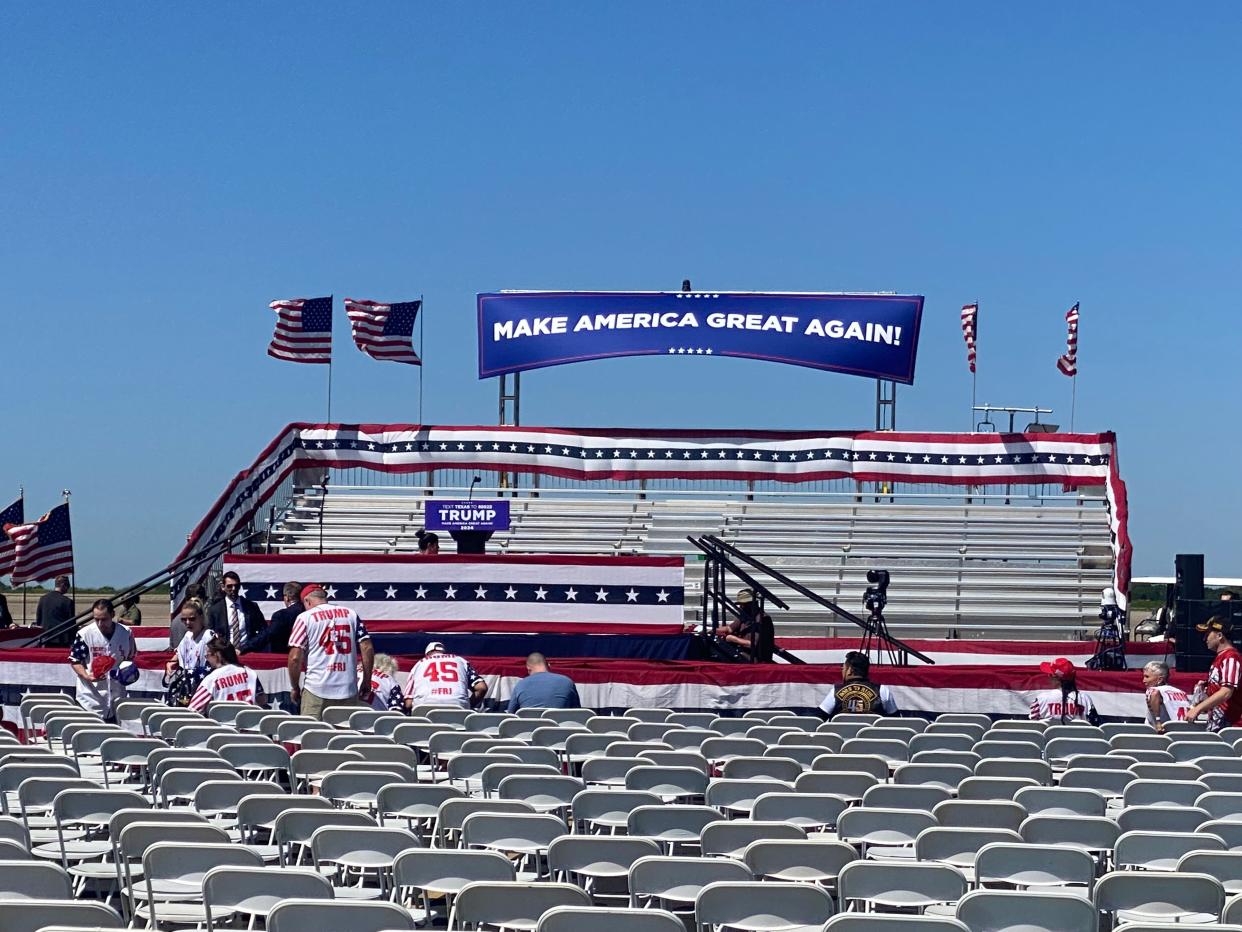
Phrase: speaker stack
x=1193 y=609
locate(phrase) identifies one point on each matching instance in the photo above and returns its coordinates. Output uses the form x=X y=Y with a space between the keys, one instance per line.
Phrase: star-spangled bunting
x=1068 y=363
x=303 y=330
x=773 y=456
x=14 y=514
x=44 y=548
x=384 y=331
x=970 y=331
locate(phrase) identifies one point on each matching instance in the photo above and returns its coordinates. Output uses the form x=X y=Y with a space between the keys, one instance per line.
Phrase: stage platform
x=994 y=684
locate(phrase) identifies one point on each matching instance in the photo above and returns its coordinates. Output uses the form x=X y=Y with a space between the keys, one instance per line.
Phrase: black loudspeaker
x=1189 y=569
x=1193 y=655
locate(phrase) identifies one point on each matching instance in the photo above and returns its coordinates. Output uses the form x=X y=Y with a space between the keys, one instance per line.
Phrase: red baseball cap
x=309 y=588
x=1060 y=667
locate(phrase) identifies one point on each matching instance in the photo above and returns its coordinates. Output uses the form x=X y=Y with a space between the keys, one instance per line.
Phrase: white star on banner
x=319 y=444
x=461 y=446
x=871 y=456
x=241 y=591
x=651 y=454
x=513 y=448
x=271 y=592
x=409 y=446
x=601 y=594
x=631 y=595
x=564 y=451
x=686 y=455
x=420 y=593
x=909 y=458
x=1000 y=459
x=571 y=595
x=480 y=593
x=599 y=453
x=510 y=593
x=926 y=459
x=370 y=446
x=758 y=454
x=722 y=454
x=702 y=454
x=633 y=454
x=891 y=457
x=444 y=446
x=540 y=593
x=547 y=449
x=390 y=592
x=961 y=459
x=662 y=596
x=450 y=593
x=330 y=592
x=360 y=593
x=478 y=446
x=668 y=454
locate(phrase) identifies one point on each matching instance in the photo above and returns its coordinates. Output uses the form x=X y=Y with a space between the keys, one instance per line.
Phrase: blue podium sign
x=466 y=516
x=869 y=335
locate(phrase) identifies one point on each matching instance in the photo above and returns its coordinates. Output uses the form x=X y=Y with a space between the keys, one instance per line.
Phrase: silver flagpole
x=422 y=353
x=331 y=301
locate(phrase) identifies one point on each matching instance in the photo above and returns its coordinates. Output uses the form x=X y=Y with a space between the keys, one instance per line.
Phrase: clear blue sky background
x=170 y=168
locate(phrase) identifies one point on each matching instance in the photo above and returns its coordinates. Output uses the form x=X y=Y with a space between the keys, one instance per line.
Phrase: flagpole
x=422 y=353
x=66 y=493
x=331 y=301
x=1074 y=380
x=21 y=497
x=974 y=376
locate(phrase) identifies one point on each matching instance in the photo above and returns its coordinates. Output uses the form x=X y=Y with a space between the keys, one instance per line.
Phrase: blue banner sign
x=875 y=336
x=467 y=516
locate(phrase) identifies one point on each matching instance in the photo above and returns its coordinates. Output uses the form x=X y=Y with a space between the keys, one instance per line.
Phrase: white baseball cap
x=433 y=647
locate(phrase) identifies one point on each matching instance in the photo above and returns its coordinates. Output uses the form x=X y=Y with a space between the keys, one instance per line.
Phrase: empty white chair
x=528 y=835
x=669 y=783
x=445 y=871
x=991 y=813
x=959 y=847
x=887 y=829
x=1161 y=819
x=1023 y=911
x=676 y=881
x=35 y=915
x=608 y=810
x=173 y=875
x=871 y=922
x=333 y=916
x=253 y=892
x=511 y=904
x=947 y=776
x=33 y=880
x=1160 y=851
x=1225 y=866
x=1171 y=897
x=730 y=839
x=1092 y=833
x=738 y=796
x=798 y=861
x=893 y=885
x=671 y=825
x=1061 y=801
x=587 y=859
x=894 y=796
x=1034 y=866
x=1002 y=788
x=810 y=811
x=597 y=919
x=348 y=852
x=1176 y=793
x=763 y=906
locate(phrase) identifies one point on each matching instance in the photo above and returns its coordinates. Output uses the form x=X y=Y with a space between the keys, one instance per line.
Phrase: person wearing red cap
x=1222 y=703
x=1064 y=702
x=331 y=643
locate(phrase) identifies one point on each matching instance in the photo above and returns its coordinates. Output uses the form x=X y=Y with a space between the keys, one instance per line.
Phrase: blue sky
x=169 y=168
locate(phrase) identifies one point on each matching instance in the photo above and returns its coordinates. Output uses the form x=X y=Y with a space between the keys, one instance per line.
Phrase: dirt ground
x=154 y=606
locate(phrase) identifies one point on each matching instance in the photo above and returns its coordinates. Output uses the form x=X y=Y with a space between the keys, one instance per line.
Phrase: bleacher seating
x=962 y=565
x=1026 y=832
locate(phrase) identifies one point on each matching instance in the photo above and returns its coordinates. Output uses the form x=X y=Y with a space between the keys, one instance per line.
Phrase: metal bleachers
x=963 y=565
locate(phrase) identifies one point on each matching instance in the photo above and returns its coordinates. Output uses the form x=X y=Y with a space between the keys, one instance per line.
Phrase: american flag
x=970 y=325
x=303 y=330
x=384 y=331
x=44 y=549
x=1068 y=363
x=14 y=514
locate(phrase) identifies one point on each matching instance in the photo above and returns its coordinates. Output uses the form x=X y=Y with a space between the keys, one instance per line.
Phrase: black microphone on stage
x=474 y=482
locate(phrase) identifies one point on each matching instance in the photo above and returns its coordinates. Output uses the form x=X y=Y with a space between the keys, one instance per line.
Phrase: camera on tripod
x=876 y=596
x=1110 y=638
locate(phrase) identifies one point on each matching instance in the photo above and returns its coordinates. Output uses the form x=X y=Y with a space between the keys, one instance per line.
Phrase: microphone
x=474 y=482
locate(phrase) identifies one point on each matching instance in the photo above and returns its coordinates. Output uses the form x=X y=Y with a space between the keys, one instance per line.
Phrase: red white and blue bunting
x=625 y=455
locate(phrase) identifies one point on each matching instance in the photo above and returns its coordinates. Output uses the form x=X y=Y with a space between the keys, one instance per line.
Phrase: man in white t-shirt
x=441 y=678
x=99 y=648
x=1165 y=702
x=328 y=641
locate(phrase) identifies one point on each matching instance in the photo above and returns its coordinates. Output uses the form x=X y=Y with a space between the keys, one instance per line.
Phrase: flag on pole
x=14 y=514
x=303 y=330
x=970 y=318
x=44 y=549
x=1068 y=363
x=384 y=331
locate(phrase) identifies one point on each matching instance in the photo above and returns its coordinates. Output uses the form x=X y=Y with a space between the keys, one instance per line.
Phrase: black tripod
x=1110 y=642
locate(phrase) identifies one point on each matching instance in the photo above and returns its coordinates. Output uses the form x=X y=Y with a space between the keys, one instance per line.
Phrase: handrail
x=868 y=626
x=143 y=586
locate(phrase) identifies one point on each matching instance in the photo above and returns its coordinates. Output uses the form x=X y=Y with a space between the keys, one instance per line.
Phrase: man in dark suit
x=237 y=619
x=281 y=625
x=6 y=619
x=54 y=609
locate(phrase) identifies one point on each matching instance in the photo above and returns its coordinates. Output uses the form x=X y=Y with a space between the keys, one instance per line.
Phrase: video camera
x=876 y=596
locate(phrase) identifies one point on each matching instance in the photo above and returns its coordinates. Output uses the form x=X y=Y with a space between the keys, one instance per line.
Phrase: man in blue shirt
x=543 y=689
